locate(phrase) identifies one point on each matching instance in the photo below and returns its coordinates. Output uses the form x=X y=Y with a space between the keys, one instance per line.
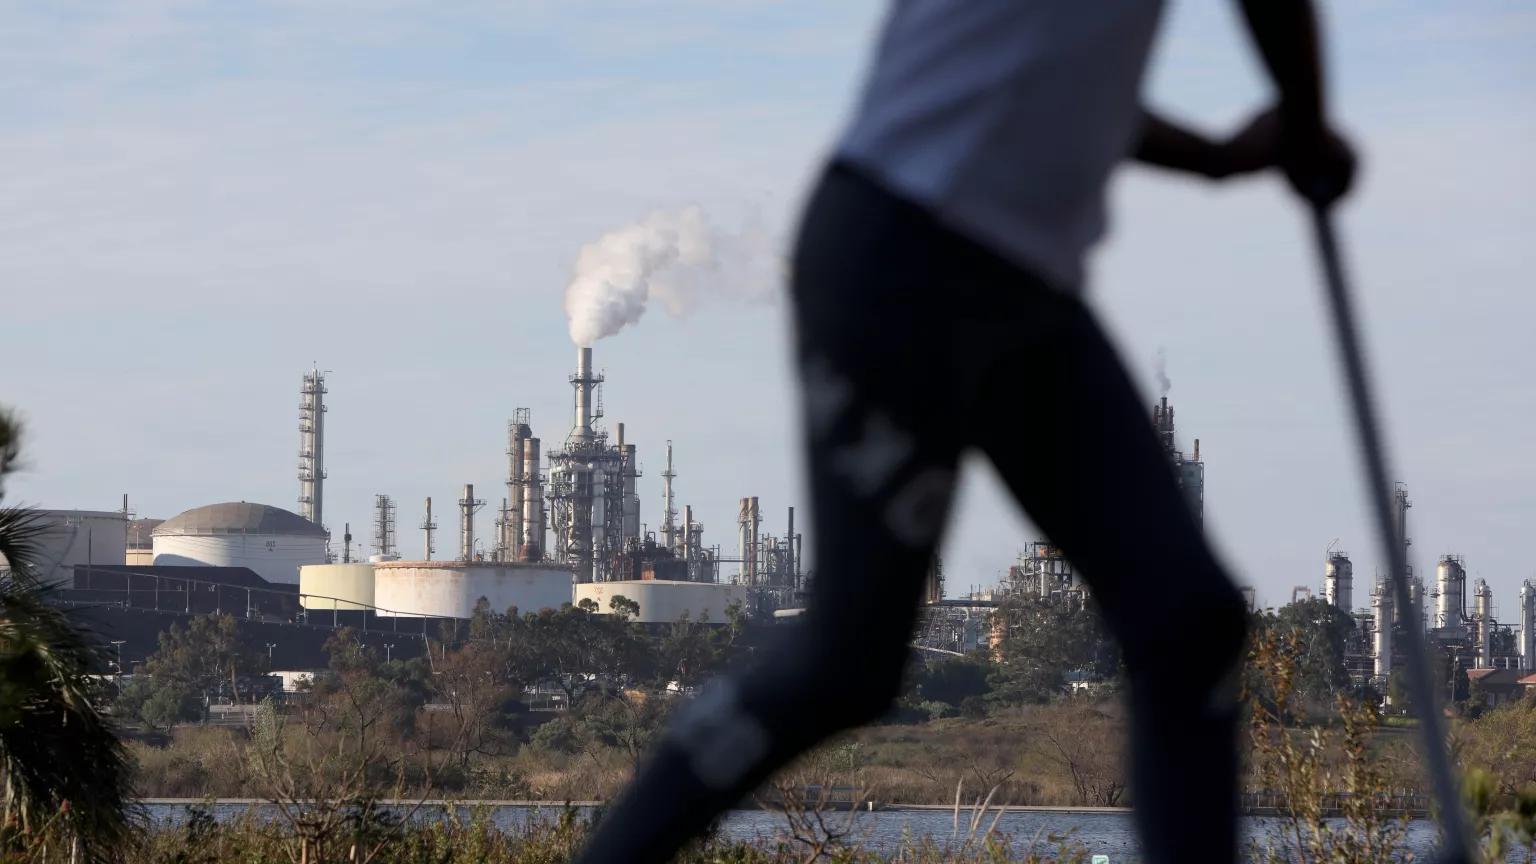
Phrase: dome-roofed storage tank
x=272 y=542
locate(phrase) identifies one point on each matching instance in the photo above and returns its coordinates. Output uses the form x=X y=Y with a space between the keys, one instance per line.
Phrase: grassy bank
x=1068 y=754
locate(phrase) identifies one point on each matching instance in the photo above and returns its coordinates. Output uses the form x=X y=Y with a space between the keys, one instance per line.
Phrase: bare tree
x=1087 y=742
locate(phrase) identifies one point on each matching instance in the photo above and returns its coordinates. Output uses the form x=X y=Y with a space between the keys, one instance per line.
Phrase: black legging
x=916 y=344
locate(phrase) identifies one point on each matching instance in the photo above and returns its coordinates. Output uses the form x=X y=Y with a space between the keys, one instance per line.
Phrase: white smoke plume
x=676 y=258
x=1164 y=383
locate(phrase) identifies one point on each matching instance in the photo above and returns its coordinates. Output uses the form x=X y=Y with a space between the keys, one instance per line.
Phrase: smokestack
x=789 y=542
x=744 y=539
x=687 y=533
x=757 y=520
x=668 y=513
x=467 y=507
x=428 y=526
x=583 y=382
x=533 y=503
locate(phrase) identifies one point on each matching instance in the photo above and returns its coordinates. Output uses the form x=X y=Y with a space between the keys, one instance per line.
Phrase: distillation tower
x=312 y=447
x=1339 y=581
x=595 y=511
x=384 y=528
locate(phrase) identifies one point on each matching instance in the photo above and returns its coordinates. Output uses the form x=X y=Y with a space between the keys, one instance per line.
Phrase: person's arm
x=1318 y=162
x=1286 y=34
x=1166 y=144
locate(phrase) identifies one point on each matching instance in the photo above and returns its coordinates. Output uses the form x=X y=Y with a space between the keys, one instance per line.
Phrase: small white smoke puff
x=675 y=257
x=1164 y=383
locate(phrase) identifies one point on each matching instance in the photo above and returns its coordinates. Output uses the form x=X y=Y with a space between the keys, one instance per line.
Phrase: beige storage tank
x=450 y=589
x=324 y=587
x=664 y=601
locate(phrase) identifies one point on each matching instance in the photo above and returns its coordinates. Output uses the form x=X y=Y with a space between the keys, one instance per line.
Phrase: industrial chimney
x=584 y=383
x=467 y=507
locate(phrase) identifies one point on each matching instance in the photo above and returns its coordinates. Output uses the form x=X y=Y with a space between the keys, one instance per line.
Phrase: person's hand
x=1317 y=160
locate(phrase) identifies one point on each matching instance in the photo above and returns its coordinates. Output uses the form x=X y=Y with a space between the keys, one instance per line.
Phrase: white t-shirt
x=1005 y=118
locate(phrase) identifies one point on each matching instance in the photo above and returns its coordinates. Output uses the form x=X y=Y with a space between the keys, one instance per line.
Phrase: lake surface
x=1108 y=833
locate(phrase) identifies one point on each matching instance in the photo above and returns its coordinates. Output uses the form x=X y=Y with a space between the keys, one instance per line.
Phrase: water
x=1106 y=833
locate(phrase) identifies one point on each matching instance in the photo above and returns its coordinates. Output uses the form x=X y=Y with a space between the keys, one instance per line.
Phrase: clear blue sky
x=199 y=199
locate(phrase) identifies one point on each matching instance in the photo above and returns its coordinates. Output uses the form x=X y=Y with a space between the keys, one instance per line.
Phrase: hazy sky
x=200 y=199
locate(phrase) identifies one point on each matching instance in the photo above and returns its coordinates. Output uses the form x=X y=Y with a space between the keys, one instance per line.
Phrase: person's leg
x=882 y=461
x=1076 y=447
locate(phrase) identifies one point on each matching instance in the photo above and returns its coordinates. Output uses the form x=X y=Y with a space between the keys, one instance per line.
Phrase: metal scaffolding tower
x=384 y=526
x=312 y=447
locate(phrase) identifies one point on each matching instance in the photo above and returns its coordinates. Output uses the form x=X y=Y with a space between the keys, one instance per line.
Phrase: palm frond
x=20 y=530
x=58 y=753
x=62 y=765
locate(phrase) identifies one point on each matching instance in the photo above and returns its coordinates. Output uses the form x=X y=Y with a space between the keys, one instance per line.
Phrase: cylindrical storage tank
x=270 y=541
x=336 y=586
x=664 y=601
x=450 y=589
x=1451 y=580
x=76 y=538
x=1338 y=582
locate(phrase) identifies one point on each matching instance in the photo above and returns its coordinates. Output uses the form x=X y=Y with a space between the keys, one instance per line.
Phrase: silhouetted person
x=937 y=281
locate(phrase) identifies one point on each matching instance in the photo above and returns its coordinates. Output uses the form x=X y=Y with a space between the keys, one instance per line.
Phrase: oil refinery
x=569 y=530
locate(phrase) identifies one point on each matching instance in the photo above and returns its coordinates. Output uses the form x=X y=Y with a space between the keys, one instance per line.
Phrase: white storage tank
x=78 y=538
x=664 y=601
x=450 y=589
x=336 y=586
x=271 y=541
